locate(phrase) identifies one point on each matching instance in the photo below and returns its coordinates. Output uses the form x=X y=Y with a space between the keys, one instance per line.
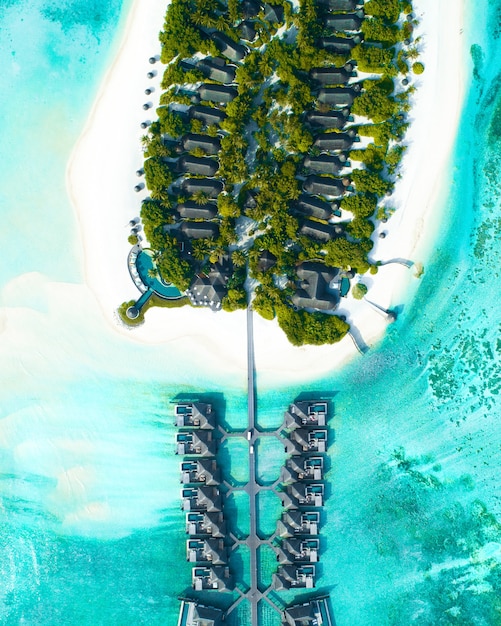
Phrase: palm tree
x=153 y=272
x=239 y=258
x=200 y=197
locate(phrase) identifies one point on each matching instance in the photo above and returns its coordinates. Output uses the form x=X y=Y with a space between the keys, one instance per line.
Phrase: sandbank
x=101 y=177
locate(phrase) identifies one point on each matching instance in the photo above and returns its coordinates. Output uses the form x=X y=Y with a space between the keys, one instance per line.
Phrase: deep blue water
x=90 y=529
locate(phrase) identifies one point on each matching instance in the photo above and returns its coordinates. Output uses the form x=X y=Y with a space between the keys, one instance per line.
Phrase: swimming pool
x=148 y=272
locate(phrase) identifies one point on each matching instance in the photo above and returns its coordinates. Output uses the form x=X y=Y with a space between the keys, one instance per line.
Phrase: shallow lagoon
x=90 y=525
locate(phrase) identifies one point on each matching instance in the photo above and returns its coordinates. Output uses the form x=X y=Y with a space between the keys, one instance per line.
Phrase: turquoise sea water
x=90 y=526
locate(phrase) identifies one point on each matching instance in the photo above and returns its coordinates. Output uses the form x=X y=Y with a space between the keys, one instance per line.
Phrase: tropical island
x=278 y=139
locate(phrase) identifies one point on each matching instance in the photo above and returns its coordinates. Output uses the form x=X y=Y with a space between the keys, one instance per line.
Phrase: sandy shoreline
x=101 y=177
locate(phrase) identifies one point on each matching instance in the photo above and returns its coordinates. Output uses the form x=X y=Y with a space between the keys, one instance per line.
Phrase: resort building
x=200 y=471
x=317 y=230
x=338 y=96
x=304 y=440
x=196 y=415
x=247 y=31
x=200 y=230
x=266 y=261
x=208 y=186
x=309 y=206
x=207 y=115
x=325 y=163
x=339 y=45
x=191 y=210
x=295 y=523
x=274 y=13
x=294 y=551
x=331 y=75
x=314 y=279
x=198 y=166
x=299 y=468
x=340 y=5
x=325 y=185
x=294 y=577
x=250 y=8
x=306 y=413
x=196 y=442
x=303 y=494
x=194 y=141
x=222 y=94
x=201 y=499
x=205 y=524
x=206 y=551
x=217 y=578
x=195 y=614
x=328 y=119
x=315 y=612
x=210 y=289
x=229 y=48
x=342 y=22
x=216 y=69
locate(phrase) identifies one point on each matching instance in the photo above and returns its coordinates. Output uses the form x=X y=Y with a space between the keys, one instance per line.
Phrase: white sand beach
x=101 y=177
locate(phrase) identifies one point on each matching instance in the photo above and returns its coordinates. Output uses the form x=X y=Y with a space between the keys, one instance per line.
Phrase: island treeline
x=278 y=139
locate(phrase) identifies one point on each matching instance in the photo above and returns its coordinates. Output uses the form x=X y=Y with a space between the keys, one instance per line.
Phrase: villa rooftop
x=205 y=524
x=200 y=471
x=195 y=414
x=294 y=523
x=193 y=613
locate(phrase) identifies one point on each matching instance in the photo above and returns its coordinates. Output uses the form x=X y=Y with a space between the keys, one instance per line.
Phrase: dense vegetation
x=264 y=141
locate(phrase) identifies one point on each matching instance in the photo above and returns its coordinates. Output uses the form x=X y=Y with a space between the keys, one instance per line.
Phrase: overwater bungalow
x=201 y=499
x=200 y=471
x=339 y=45
x=208 y=186
x=306 y=413
x=331 y=75
x=194 y=141
x=195 y=415
x=327 y=119
x=205 y=524
x=217 y=69
x=193 y=613
x=212 y=578
x=196 y=442
x=206 y=114
x=314 y=279
x=315 y=612
x=294 y=577
x=338 y=96
x=229 y=48
x=222 y=94
x=304 y=440
x=299 y=468
x=191 y=210
x=325 y=164
x=346 y=21
x=294 y=551
x=325 y=185
x=297 y=523
x=300 y=495
x=206 y=551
